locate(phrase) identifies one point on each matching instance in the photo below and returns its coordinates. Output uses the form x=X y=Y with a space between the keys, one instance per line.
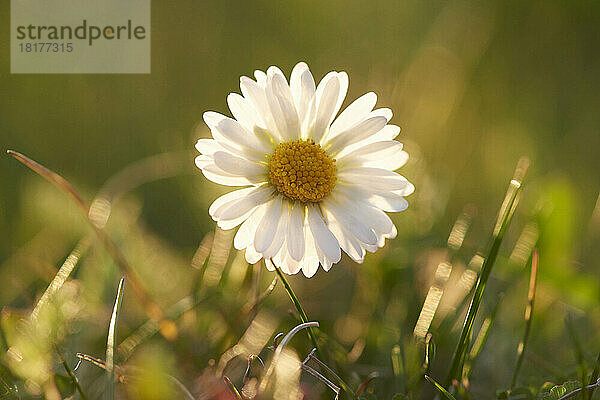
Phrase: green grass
x=411 y=364
x=473 y=85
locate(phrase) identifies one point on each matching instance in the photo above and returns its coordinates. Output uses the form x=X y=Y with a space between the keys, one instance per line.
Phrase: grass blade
x=232 y=388
x=340 y=381
x=51 y=176
x=528 y=315
x=439 y=387
x=299 y=308
x=71 y=375
x=399 y=366
x=62 y=275
x=481 y=338
x=504 y=217
x=111 y=343
x=152 y=309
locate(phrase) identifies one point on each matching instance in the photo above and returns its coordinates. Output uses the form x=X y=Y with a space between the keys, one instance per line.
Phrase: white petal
x=252 y=256
x=293 y=265
x=295 y=232
x=213 y=119
x=279 y=237
x=238 y=207
x=353 y=114
x=287 y=264
x=261 y=77
x=254 y=93
x=392 y=163
x=217 y=175
x=202 y=161
x=208 y=146
x=373 y=217
x=358 y=132
x=326 y=98
x=324 y=238
x=351 y=223
x=383 y=112
x=394 y=233
x=268 y=225
x=238 y=166
x=309 y=269
x=343 y=77
x=279 y=258
x=408 y=190
x=388 y=203
x=302 y=85
x=232 y=223
x=385 y=201
x=240 y=136
x=347 y=241
x=371 y=248
x=269 y=264
x=372 y=152
x=242 y=110
x=295 y=77
x=245 y=235
x=310 y=261
x=279 y=97
x=223 y=202
x=389 y=132
x=374 y=178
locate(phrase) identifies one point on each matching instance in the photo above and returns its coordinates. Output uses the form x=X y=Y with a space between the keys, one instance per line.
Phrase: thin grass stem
x=111 y=343
x=504 y=217
x=481 y=338
x=62 y=275
x=440 y=388
x=71 y=374
x=299 y=308
x=232 y=388
x=152 y=309
x=528 y=316
x=320 y=377
x=279 y=349
x=343 y=384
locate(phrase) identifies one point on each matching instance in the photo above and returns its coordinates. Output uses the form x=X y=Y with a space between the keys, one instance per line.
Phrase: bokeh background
x=474 y=86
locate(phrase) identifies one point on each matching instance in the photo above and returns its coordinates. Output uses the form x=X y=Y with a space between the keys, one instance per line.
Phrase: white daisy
x=314 y=184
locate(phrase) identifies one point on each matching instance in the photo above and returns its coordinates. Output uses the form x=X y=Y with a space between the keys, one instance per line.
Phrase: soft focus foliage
x=474 y=86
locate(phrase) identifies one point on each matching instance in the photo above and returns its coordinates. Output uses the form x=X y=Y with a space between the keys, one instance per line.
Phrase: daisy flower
x=314 y=184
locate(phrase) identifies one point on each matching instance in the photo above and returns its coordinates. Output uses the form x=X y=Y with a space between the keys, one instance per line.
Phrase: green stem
x=71 y=374
x=528 y=317
x=303 y=316
x=343 y=384
x=504 y=217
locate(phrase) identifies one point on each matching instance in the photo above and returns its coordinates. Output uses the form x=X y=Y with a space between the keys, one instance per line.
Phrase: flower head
x=314 y=184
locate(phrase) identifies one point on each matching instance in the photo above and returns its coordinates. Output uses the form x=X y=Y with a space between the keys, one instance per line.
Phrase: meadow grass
x=225 y=310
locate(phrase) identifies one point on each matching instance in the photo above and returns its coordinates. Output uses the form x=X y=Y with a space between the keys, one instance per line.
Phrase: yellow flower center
x=302 y=171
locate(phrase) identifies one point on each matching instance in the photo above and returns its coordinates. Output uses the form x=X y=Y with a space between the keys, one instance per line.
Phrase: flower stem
x=303 y=316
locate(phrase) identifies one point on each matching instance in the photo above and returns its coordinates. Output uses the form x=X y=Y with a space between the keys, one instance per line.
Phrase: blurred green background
x=474 y=86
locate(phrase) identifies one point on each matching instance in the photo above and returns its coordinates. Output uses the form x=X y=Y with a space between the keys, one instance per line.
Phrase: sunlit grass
x=221 y=334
